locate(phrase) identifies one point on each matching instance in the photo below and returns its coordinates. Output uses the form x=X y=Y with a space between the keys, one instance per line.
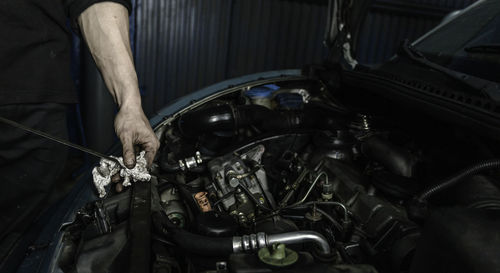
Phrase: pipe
x=202 y=245
x=333 y=203
x=260 y=240
x=310 y=189
x=213 y=246
x=168 y=167
x=228 y=118
x=331 y=219
x=209 y=119
x=164 y=164
x=396 y=159
x=194 y=243
x=474 y=169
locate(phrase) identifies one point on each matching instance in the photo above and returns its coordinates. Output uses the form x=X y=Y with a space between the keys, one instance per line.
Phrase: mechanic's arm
x=105 y=28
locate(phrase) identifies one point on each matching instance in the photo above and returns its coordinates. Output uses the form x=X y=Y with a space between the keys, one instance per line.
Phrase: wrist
x=130 y=103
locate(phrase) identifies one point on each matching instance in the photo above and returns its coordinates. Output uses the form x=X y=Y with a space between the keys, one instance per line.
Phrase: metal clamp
x=191 y=162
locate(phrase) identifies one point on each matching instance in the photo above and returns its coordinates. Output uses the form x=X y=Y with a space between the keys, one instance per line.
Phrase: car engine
x=287 y=176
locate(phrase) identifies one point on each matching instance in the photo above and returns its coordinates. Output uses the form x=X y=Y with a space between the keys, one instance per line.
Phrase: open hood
x=341 y=34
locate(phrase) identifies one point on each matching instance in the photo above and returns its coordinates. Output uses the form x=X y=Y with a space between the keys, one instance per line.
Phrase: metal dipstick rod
x=58 y=140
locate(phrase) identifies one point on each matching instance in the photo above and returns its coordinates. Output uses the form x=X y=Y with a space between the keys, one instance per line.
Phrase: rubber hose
x=477 y=168
x=209 y=119
x=225 y=118
x=202 y=245
x=165 y=165
x=172 y=168
x=396 y=159
x=190 y=242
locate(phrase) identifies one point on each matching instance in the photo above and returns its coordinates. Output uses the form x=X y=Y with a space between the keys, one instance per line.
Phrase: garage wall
x=184 y=45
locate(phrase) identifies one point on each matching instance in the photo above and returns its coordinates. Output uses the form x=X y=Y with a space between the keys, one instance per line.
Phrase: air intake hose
x=396 y=159
x=208 y=119
x=228 y=118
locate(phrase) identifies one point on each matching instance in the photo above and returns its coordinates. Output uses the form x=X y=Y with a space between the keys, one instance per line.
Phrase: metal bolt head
x=234 y=182
x=198 y=157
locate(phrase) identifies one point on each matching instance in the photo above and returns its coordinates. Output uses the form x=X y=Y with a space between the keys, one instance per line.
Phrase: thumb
x=128 y=153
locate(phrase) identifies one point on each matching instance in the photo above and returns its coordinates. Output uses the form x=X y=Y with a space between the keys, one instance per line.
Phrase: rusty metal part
x=203 y=202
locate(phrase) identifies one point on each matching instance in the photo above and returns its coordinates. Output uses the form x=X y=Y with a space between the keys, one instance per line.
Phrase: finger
x=116 y=178
x=150 y=148
x=150 y=155
x=119 y=187
x=128 y=152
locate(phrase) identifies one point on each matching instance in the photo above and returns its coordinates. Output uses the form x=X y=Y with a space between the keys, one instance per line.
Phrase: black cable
x=330 y=218
x=223 y=197
x=474 y=169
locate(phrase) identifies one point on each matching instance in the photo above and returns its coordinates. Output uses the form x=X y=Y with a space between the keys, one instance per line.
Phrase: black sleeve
x=74 y=8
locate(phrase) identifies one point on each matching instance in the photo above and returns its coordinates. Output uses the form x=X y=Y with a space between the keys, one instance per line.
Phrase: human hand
x=133 y=129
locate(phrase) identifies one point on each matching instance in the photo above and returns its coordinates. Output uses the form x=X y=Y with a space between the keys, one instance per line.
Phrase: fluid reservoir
x=262 y=95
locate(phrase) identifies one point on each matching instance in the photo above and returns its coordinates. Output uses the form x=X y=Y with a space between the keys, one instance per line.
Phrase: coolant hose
x=220 y=246
x=213 y=246
x=194 y=243
x=260 y=240
x=474 y=169
x=202 y=245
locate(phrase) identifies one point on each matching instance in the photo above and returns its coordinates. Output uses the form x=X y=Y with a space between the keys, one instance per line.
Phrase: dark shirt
x=35 y=49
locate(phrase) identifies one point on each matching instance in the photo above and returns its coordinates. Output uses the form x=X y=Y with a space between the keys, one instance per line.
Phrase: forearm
x=105 y=28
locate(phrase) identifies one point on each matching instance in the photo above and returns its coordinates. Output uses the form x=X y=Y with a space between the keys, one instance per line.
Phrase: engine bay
x=289 y=176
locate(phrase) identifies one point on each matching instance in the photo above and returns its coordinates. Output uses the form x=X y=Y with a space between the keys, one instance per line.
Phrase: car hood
x=342 y=30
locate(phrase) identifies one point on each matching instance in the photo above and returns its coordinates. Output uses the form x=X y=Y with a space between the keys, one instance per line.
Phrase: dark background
x=181 y=46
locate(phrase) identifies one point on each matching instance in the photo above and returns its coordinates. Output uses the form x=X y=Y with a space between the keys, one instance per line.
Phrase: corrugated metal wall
x=183 y=45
